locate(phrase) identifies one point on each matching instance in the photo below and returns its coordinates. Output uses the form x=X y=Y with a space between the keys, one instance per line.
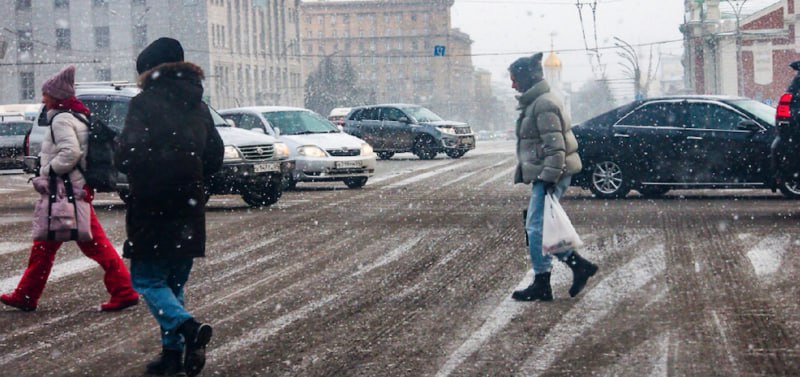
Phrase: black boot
x=539 y=290
x=582 y=270
x=196 y=335
x=169 y=363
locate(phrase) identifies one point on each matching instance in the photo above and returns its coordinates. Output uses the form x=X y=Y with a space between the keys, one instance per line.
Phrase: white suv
x=254 y=165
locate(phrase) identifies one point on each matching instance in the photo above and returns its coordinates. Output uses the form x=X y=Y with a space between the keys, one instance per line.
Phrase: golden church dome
x=552 y=61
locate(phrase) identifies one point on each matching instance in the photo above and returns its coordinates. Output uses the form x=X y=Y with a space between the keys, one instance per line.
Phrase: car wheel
x=385 y=155
x=355 y=183
x=608 y=181
x=454 y=153
x=653 y=191
x=263 y=196
x=125 y=195
x=425 y=148
x=790 y=188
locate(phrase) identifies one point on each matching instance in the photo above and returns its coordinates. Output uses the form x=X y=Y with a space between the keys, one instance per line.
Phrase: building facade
x=249 y=49
x=752 y=59
x=392 y=45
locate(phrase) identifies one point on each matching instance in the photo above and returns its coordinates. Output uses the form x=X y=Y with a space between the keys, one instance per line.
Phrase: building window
x=334 y=34
x=308 y=20
x=63 y=40
x=333 y=19
x=346 y=18
x=100 y=3
x=320 y=19
x=61 y=4
x=140 y=36
x=23 y=4
x=27 y=91
x=24 y=41
x=102 y=38
x=103 y=74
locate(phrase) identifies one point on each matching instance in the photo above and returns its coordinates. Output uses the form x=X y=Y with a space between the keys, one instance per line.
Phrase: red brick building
x=769 y=43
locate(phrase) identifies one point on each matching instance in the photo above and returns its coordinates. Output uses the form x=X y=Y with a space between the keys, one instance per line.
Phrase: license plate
x=348 y=164
x=467 y=141
x=267 y=167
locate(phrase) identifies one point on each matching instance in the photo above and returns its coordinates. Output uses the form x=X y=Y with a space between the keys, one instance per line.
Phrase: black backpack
x=100 y=172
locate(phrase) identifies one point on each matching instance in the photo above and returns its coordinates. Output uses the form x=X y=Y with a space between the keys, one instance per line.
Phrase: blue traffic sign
x=438 y=50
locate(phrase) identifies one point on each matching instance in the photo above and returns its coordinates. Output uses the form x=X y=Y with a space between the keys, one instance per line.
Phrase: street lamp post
x=736 y=6
x=629 y=54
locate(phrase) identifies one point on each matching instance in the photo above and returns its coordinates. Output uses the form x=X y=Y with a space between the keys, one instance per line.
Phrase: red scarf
x=73 y=104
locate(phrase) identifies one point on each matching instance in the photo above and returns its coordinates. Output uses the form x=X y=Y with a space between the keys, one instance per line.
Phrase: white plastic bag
x=558 y=234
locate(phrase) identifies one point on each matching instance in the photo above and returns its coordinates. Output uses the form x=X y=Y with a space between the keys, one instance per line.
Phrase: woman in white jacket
x=63 y=150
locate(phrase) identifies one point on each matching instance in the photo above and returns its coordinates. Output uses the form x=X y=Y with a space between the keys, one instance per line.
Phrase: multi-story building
x=741 y=50
x=249 y=49
x=392 y=45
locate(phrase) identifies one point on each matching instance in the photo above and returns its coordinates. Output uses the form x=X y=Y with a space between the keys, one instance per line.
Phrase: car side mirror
x=277 y=131
x=749 y=125
x=230 y=122
x=404 y=120
x=258 y=130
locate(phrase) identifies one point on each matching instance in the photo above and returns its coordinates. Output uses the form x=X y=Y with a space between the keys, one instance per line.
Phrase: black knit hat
x=162 y=50
x=529 y=66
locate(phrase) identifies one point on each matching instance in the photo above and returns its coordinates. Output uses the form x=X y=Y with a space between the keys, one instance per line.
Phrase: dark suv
x=254 y=165
x=786 y=146
x=397 y=128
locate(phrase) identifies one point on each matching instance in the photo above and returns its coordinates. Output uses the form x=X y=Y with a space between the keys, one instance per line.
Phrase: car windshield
x=421 y=114
x=218 y=121
x=760 y=110
x=299 y=122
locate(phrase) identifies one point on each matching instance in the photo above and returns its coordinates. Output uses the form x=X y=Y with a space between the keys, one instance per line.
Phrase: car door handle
x=621 y=135
x=694 y=138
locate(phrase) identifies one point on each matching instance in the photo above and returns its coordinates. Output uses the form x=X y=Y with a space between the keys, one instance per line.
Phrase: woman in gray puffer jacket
x=547 y=154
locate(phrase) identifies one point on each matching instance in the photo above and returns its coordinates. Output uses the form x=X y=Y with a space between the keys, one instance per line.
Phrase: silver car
x=12 y=142
x=321 y=151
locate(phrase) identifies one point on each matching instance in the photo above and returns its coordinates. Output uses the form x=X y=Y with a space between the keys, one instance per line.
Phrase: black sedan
x=683 y=142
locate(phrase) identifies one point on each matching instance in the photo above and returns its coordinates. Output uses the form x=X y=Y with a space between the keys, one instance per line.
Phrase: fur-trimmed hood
x=179 y=83
x=170 y=70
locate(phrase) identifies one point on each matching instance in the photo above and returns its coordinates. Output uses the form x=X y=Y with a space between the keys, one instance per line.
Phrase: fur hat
x=162 y=50
x=62 y=85
x=529 y=66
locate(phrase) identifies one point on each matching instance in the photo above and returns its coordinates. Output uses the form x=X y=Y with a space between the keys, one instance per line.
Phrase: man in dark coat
x=168 y=148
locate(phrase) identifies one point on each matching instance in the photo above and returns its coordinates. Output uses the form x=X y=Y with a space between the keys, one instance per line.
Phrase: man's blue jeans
x=161 y=284
x=533 y=225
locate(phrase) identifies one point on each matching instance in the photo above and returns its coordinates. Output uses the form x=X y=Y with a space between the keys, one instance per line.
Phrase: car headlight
x=448 y=130
x=281 y=151
x=311 y=151
x=231 y=153
x=366 y=149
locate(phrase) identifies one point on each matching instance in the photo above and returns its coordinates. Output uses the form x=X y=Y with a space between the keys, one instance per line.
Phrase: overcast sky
x=505 y=27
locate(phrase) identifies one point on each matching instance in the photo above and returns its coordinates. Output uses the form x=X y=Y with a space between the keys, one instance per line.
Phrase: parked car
x=320 y=150
x=786 y=146
x=681 y=142
x=13 y=131
x=29 y=111
x=254 y=165
x=397 y=128
x=338 y=115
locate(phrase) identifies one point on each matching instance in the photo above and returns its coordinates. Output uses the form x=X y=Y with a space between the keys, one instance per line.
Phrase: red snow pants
x=117 y=279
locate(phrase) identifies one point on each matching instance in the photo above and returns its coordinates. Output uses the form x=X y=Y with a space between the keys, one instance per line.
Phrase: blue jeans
x=161 y=284
x=533 y=225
